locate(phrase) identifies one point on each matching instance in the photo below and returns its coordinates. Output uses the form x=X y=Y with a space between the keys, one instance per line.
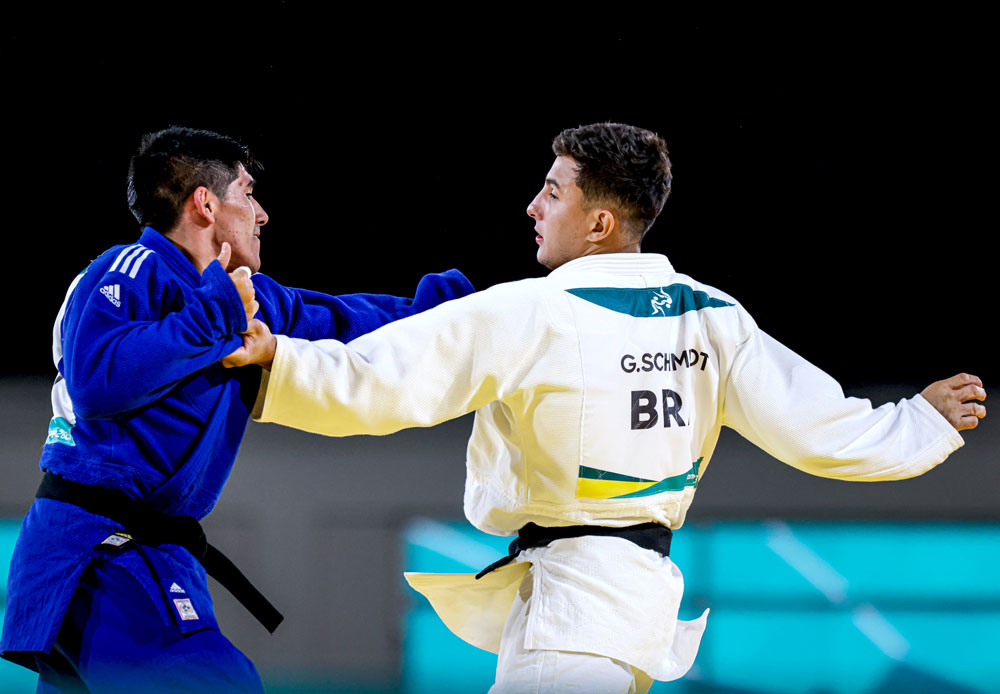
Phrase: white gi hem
x=600 y=595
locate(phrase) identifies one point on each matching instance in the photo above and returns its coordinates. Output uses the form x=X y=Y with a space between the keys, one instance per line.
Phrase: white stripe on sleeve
x=138 y=263
x=128 y=260
x=120 y=256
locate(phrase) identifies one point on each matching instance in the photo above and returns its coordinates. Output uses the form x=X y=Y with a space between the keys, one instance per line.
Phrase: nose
x=533 y=209
x=261 y=216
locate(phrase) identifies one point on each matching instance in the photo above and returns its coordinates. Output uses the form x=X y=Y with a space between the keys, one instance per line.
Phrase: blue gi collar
x=172 y=255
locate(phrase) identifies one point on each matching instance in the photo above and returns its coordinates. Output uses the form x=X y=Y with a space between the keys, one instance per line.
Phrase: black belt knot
x=647 y=535
x=150 y=527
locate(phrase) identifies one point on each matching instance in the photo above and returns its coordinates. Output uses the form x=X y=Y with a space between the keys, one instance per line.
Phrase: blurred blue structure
x=805 y=607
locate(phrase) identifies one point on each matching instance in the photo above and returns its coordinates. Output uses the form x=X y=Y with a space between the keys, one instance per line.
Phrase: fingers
x=951 y=397
x=256 y=330
x=225 y=255
x=244 y=285
x=971 y=414
x=963 y=379
x=260 y=344
x=237 y=358
x=970 y=392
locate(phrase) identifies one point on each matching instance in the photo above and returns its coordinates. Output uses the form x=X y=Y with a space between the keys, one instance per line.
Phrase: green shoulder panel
x=649 y=302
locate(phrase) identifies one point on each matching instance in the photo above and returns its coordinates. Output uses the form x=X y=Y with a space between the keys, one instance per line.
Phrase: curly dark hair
x=169 y=164
x=622 y=166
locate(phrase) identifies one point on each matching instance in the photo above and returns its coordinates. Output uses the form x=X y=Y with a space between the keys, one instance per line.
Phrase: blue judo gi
x=142 y=405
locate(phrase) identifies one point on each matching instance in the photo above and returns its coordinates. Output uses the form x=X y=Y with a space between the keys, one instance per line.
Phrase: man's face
x=561 y=224
x=239 y=220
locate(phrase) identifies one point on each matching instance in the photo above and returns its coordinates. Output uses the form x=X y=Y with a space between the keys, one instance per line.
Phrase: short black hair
x=620 y=165
x=169 y=164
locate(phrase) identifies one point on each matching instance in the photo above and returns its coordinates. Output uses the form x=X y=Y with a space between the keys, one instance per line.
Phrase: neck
x=620 y=247
x=195 y=244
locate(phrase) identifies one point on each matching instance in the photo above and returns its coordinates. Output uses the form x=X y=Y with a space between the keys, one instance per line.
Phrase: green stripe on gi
x=592 y=473
x=675 y=483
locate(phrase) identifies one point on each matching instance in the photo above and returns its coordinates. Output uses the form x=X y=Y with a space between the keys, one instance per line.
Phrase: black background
x=834 y=173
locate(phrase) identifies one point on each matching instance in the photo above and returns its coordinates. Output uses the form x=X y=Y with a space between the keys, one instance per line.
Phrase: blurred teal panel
x=441 y=546
x=790 y=652
x=910 y=561
x=8 y=536
x=15 y=679
x=960 y=647
x=833 y=607
x=740 y=563
x=438 y=661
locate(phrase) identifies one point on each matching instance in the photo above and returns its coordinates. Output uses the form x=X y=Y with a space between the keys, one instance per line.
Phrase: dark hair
x=620 y=165
x=171 y=163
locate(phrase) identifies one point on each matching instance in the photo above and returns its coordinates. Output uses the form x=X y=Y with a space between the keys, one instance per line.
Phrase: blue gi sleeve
x=123 y=350
x=315 y=316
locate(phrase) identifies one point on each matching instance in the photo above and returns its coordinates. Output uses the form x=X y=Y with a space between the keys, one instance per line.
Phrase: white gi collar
x=618 y=263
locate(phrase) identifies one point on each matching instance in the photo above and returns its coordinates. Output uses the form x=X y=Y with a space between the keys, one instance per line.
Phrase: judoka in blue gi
x=147 y=425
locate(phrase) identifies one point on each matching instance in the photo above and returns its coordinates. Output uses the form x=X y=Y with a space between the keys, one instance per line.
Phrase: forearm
x=325 y=387
x=311 y=315
x=799 y=414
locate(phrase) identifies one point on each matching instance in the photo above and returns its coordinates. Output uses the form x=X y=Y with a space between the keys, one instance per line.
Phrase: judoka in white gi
x=599 y=392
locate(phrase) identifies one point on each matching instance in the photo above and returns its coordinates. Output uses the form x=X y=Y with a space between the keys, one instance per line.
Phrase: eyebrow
x=552 y=182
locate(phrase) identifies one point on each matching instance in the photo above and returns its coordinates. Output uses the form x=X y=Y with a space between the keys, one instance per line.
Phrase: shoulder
x=506 y=295
x=127 y=261
x=717 y=297
x=724 y=313
x=127 y=270
x=128 y=267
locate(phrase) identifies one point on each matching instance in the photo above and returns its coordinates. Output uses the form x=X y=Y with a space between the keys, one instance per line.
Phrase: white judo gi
x=600 y=391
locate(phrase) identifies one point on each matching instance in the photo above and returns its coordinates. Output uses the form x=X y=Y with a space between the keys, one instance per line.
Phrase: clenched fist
x=258 y=347
x=950 y=396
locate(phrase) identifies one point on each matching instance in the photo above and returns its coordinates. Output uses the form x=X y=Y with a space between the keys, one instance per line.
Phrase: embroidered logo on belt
x=185 y=609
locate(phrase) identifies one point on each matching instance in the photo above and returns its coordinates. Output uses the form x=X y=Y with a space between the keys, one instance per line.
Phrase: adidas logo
x=174 y=588
x=113 y=293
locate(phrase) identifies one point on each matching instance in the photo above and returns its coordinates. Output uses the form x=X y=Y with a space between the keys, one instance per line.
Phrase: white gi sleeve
x=418 y=371
x=799 y=414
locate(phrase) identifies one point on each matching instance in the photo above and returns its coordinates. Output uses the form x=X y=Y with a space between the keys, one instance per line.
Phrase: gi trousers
x=539 y=671
x=114 y=640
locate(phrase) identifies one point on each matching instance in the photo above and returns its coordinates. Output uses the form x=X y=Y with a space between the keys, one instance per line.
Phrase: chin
x=252 y=263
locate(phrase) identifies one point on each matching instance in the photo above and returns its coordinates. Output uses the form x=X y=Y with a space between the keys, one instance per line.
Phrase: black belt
x=150 y=527
x=647 y=535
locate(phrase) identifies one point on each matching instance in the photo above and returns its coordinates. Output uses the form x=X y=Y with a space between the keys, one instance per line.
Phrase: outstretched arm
x=799 y=414
x=311 y=315
x=415 y=372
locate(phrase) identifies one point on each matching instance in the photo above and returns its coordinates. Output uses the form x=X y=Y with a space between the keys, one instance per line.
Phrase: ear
x=603 y=224
x=205 y=204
